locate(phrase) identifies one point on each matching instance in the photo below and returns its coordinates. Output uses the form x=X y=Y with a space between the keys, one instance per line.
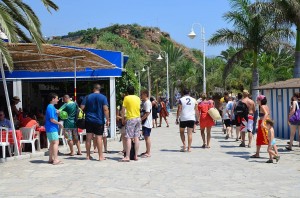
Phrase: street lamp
x=192 y=35
x=138 y=73
x=165 y=54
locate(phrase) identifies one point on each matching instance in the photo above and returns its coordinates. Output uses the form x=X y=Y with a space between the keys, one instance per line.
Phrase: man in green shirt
x=70 y=129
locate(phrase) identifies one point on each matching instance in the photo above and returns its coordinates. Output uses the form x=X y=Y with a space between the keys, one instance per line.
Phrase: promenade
x=224 y=170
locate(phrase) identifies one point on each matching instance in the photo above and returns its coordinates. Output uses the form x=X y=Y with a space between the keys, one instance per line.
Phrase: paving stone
x=224 y=170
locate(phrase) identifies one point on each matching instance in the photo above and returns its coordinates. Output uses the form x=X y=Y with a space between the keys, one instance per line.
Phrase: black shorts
x=188 y=124
x=227 y=123
x=94 y=128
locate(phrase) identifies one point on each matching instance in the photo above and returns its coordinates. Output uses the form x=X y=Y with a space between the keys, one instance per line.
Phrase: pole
x=204 y=75
x=167 y=60
x=75 y=88
x=149 y=83
x=9 y=108
x=139 y=73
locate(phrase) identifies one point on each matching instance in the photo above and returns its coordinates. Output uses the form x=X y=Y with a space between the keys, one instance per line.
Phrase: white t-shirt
x=188 y=108
x=228 y=107
x=147 y=107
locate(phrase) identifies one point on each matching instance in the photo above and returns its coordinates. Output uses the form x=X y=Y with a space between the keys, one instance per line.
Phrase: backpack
x=241 y=109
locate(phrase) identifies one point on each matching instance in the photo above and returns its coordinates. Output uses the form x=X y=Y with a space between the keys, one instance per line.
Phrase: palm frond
x=50 y=4
x=7 y=23
x=7 y=59
x=232 y=61
x=226 y=36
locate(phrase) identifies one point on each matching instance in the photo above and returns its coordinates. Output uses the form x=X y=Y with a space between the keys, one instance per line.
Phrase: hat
x=16 y=98
x=245 y=91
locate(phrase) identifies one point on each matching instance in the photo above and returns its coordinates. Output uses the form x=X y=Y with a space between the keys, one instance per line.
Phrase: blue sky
x=173 y=16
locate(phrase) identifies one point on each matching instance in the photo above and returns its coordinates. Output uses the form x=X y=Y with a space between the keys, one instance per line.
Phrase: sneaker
x=227 y=137
x=269 y=161
x=242 y=145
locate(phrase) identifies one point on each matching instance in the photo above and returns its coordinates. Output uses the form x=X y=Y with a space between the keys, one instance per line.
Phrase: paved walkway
x=225 y=170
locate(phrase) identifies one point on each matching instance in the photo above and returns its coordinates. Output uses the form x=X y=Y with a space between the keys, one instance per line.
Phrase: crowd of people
x=141 y=114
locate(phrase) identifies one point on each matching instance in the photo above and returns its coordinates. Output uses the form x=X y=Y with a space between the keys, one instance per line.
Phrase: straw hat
x=16 y=98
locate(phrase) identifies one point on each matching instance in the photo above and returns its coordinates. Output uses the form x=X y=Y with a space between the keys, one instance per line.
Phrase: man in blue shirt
x=52 y=128
x=96 y=107
x=3 y=121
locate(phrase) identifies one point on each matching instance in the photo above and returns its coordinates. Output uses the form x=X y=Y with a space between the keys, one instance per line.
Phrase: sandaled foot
x=254 y=156
x=203 y=146
x=50 y=162
x=145 y=155
x=207 y=146
x=168 y=126
x=288 y=148
x=102 y=159
x=183 y=150
x=269 y=161
x=57 y=162
x=70 y=154
x=89 y=158
x=277 y=158
x=124 y=160
x=79 y=153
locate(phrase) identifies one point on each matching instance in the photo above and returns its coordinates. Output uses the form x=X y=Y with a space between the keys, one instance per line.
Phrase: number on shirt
x=188 y=101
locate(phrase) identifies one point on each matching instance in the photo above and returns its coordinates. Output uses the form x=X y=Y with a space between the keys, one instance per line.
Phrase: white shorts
x=247 y=125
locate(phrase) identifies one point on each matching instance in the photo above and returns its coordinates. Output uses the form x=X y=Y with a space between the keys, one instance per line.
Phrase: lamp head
x=192 y=34
x=143 y=69
x=135 y=74
x=159 y=57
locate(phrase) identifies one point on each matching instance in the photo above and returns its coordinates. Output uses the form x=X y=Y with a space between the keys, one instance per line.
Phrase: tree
x=255 y=30
x=289 y=11
x=17 y=16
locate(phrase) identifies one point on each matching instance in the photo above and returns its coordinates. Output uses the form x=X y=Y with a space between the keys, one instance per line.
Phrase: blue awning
x=114 y=57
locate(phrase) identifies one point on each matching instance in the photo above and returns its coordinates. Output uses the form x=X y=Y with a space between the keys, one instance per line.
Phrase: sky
x=173 y=16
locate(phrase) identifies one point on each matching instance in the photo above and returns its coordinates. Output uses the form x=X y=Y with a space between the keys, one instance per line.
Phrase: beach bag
x=214 y=114
x=241 y=109
x=296 y=117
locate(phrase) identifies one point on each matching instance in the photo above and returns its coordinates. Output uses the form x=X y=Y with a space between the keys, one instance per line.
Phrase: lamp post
x=192 y=35
x=138 y=73
x=165 y=54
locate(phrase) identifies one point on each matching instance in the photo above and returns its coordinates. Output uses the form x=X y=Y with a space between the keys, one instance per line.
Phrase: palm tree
x=289 y=11
x=254 y=31
x=17 y=16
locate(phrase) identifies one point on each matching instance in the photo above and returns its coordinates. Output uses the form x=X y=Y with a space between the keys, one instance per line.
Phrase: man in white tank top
x=187 y=111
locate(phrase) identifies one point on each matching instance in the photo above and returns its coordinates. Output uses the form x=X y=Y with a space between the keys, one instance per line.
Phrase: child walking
x=272 y=148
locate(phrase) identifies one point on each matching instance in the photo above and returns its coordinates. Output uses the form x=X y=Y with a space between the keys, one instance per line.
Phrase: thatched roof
x=291 y=83
x=54 y=58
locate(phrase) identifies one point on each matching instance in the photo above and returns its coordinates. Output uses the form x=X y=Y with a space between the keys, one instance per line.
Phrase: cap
x=16 y=98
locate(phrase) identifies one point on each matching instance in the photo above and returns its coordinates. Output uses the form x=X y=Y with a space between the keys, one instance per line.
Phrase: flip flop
x=50 y=162
x=124 y=160
x=254 y=156
x=70 y=154
x=102 y=159
x=79 y=153
x=57 y=163
x=288 y=148
x=182 y=150
x=145 y=155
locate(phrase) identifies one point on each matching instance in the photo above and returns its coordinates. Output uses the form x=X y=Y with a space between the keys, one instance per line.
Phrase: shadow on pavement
x=38 y=162
x=227 y=141
x=169 y=150
x=243 y=155
x=76 y=158
x=228 y=146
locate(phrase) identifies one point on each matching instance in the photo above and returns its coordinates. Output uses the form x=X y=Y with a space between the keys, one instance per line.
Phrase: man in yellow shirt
x=131 y=105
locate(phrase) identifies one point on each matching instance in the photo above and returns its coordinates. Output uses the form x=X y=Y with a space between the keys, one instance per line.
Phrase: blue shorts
x=146 y=131
x=52 y=136
x=273 y=142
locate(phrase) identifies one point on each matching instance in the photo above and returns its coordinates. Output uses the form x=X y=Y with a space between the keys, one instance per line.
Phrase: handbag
x=296 y=117
x=214 y=114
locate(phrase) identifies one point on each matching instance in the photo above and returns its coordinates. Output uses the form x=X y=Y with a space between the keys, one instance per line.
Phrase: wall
x=279 y=101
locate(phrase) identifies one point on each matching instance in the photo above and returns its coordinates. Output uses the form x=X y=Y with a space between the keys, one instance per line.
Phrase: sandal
x=288 y=148
x=57 y=163
x=124 y=160
x=254 y=156
x=183 y=150
x=203 y=146
x=269 y=161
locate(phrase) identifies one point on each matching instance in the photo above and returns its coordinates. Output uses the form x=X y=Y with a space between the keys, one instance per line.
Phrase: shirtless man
x=247 y=121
